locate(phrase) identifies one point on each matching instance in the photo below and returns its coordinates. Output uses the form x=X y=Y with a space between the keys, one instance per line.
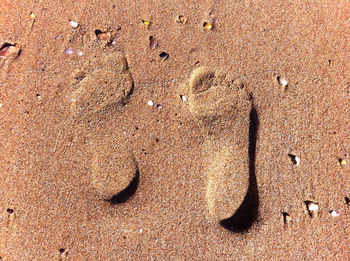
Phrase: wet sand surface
x=292 y=57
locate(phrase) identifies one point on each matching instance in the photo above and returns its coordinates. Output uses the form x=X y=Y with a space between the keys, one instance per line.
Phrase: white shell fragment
x=183 y=98
x=312 y=206
x=283 y=81
x=295 y=159
x=334 y=213
x=80 y=53
x=68 y=51
x=73 y=24
x=141 y=230
x=150 y=103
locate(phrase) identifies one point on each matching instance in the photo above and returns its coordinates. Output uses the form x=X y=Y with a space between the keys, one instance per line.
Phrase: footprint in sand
x=115 y=173
x=105 y=83
x=223 y=110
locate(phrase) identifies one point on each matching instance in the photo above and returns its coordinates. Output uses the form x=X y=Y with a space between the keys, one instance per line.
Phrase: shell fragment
x=312 y=206
x=295 y=159
x=282 y=81
x=334 y=213
x=73 y=24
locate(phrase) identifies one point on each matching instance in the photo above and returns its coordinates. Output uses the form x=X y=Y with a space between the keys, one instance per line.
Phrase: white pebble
x=80 y=53
x=73 y=24
x=183 y=98
x=334 y=213
x=68 y=51
x=0 y=105
x=141 y=230
x=297 y=161
x=283 y=81
x=150 y=103
x=312 y=206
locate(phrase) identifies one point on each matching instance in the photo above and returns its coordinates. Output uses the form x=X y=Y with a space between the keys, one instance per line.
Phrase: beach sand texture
x=174 y=130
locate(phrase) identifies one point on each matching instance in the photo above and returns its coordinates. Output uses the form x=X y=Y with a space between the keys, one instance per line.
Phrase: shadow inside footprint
x=247 y=213
x=128 y=192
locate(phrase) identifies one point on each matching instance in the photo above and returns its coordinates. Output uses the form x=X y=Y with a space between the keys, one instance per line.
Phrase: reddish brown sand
x=50 y=209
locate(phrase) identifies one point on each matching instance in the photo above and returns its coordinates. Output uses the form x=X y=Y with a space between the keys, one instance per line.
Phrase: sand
x=131 y=170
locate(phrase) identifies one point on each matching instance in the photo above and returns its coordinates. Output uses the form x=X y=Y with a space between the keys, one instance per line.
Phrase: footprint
x=103 y=82
x=115 y=172
x=223 y=110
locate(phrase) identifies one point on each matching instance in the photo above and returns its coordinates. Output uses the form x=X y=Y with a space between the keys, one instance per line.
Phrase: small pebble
x=150 y=103
x=80 y=53
x=334 y=213
x=73 y=24
x=63 y=253
x=159 y=106
x=183 y=98
x=342 y=162
x=181 y=19
x=152 y=42
x=0 y=105
x=207 y=26
x=103 y=36
x=9 y=51
x=11 y=217
x=295 y=159
x=146 y=22
x=141 y=230
x=68 y=51
x=286 y=218
x=347 y=201
x=164 y=55
x=32 y=15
